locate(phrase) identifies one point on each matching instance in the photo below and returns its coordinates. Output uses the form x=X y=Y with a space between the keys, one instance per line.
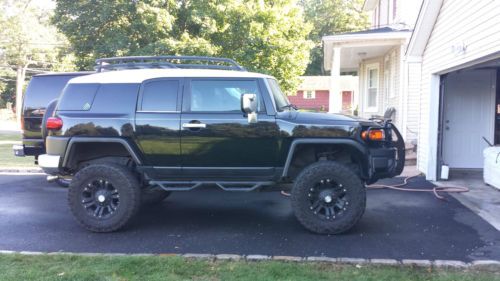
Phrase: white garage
x=454 y=54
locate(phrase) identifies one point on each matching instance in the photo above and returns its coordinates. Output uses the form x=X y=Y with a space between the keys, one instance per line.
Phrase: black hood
x=302 y=117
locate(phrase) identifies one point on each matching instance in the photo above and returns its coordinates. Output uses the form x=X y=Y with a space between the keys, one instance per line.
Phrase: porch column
x=335 y=99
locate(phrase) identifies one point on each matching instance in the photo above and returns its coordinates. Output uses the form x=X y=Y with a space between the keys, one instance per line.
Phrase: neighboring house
x=377 y=55
x=314 y=93
x=453 y=58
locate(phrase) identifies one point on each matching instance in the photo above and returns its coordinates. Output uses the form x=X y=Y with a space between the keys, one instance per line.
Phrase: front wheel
x=104 y=197
x=328 y=198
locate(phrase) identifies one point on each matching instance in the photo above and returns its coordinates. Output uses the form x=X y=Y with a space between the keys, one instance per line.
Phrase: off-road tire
x=129 y=196
x=153 y=196
x=339 y=173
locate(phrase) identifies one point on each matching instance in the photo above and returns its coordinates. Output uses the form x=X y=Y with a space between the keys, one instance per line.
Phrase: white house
x=453 y=58
x=441 y=74
x=377 y=55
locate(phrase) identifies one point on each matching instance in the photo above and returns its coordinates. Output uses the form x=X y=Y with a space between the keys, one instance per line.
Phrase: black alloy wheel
x=328 y=200
x=100 y=198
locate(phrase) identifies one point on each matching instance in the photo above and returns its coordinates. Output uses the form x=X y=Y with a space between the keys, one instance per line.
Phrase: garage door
x=468 y=116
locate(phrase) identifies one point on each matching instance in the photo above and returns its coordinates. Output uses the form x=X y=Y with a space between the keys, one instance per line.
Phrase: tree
x=264 y=36
x=28 y=43
x=331 y=17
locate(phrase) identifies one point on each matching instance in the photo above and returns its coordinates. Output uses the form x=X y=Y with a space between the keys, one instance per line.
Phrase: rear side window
x=220 y=95
x=160 y=95
x=116 y=98
x=78 y=97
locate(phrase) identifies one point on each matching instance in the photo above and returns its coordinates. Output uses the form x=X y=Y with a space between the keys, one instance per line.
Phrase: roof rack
x=193 y=62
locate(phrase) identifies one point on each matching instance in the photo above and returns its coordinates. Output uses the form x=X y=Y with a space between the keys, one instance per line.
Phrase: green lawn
x=65 y=267
x=7 y=158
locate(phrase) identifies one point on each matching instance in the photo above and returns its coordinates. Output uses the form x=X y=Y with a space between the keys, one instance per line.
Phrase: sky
x=44 y=3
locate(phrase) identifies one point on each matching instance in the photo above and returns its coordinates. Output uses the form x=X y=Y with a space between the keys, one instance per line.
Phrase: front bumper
x=49 y=163
x=388 y=161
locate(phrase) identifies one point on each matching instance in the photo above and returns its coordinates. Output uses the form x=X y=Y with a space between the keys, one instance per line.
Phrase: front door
x=346 y=101
x=468 y=109
x=216 y=138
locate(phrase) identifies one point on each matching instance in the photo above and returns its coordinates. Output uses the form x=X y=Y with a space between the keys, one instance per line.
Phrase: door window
x=160 y=95
x=220 y=95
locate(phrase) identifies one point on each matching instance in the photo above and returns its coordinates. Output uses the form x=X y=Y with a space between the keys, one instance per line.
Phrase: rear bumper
x=29 y=147
x=18 y=150
x=49 y=163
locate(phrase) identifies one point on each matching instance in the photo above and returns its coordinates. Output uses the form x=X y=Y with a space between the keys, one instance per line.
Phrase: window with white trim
x=309 y=95
x=372 y=78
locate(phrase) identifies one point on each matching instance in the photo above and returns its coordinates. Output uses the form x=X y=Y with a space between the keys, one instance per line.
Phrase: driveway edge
x=480 y=265
x=21 y=170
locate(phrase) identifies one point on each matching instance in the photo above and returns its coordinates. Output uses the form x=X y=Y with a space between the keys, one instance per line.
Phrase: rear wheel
x=328 y=198
x=104 y=197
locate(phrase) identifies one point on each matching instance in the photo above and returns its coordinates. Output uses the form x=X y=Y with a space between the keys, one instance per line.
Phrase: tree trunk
x=21 y=75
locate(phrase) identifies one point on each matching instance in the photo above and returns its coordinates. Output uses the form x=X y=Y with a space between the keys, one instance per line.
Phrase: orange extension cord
x=436 y=190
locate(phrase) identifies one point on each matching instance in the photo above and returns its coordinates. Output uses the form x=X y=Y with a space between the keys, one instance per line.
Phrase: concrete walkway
x=482 y=199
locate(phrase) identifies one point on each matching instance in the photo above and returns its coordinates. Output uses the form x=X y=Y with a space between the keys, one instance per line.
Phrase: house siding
x=392 y=95
x=413 y=100
x=390 y=63
x=472 y=23
x=319 y=103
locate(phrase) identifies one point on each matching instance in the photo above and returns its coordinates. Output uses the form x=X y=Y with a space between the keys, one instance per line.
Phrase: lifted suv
x=142 y=127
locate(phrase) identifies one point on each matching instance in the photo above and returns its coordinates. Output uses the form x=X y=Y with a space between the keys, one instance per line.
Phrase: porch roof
x=366 y=44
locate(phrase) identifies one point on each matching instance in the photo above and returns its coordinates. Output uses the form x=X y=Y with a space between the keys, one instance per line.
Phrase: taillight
x=373 y=135
x=54 y=123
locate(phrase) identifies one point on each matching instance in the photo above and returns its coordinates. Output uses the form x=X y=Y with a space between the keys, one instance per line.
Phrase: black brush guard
x=395 y=139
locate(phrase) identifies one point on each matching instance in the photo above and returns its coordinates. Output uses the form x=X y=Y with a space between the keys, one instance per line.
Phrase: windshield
x=280 y=98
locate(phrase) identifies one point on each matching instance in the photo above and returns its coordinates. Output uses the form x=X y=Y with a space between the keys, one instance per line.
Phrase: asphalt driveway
x=34 y=217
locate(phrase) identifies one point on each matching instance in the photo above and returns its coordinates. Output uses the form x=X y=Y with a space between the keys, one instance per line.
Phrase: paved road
x=34 y=217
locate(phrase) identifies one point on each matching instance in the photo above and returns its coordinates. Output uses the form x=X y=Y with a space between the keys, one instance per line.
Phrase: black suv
x=142 y=127
x=39 y=102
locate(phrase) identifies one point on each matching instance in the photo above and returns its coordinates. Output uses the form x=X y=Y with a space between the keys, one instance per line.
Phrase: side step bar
x=224 y=185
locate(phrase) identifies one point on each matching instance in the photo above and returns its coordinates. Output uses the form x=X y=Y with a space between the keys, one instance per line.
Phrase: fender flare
x=358 y=146
x=74 y=140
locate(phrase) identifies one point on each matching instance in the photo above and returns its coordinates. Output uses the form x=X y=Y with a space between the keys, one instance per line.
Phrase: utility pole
x=21 y=74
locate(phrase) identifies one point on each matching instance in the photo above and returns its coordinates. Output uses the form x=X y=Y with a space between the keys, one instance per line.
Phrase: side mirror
x=249 y=106
x=249 y=103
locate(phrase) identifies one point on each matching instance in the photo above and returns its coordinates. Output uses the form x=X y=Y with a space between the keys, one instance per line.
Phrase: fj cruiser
x=142 y=127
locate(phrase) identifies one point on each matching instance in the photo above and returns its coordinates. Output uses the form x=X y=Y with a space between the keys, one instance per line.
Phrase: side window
x=160 y=95
x=220 y=95
x=78 y=97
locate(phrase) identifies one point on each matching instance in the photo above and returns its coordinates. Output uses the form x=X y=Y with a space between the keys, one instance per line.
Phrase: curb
x=20 y=170
x=480 y=265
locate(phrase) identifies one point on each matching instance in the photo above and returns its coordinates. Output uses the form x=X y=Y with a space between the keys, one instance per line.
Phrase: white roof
x=140 y=75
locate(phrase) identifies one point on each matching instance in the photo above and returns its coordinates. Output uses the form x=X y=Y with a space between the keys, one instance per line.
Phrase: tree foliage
x=264 y=36
x=29 y=44
x=330 y=17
